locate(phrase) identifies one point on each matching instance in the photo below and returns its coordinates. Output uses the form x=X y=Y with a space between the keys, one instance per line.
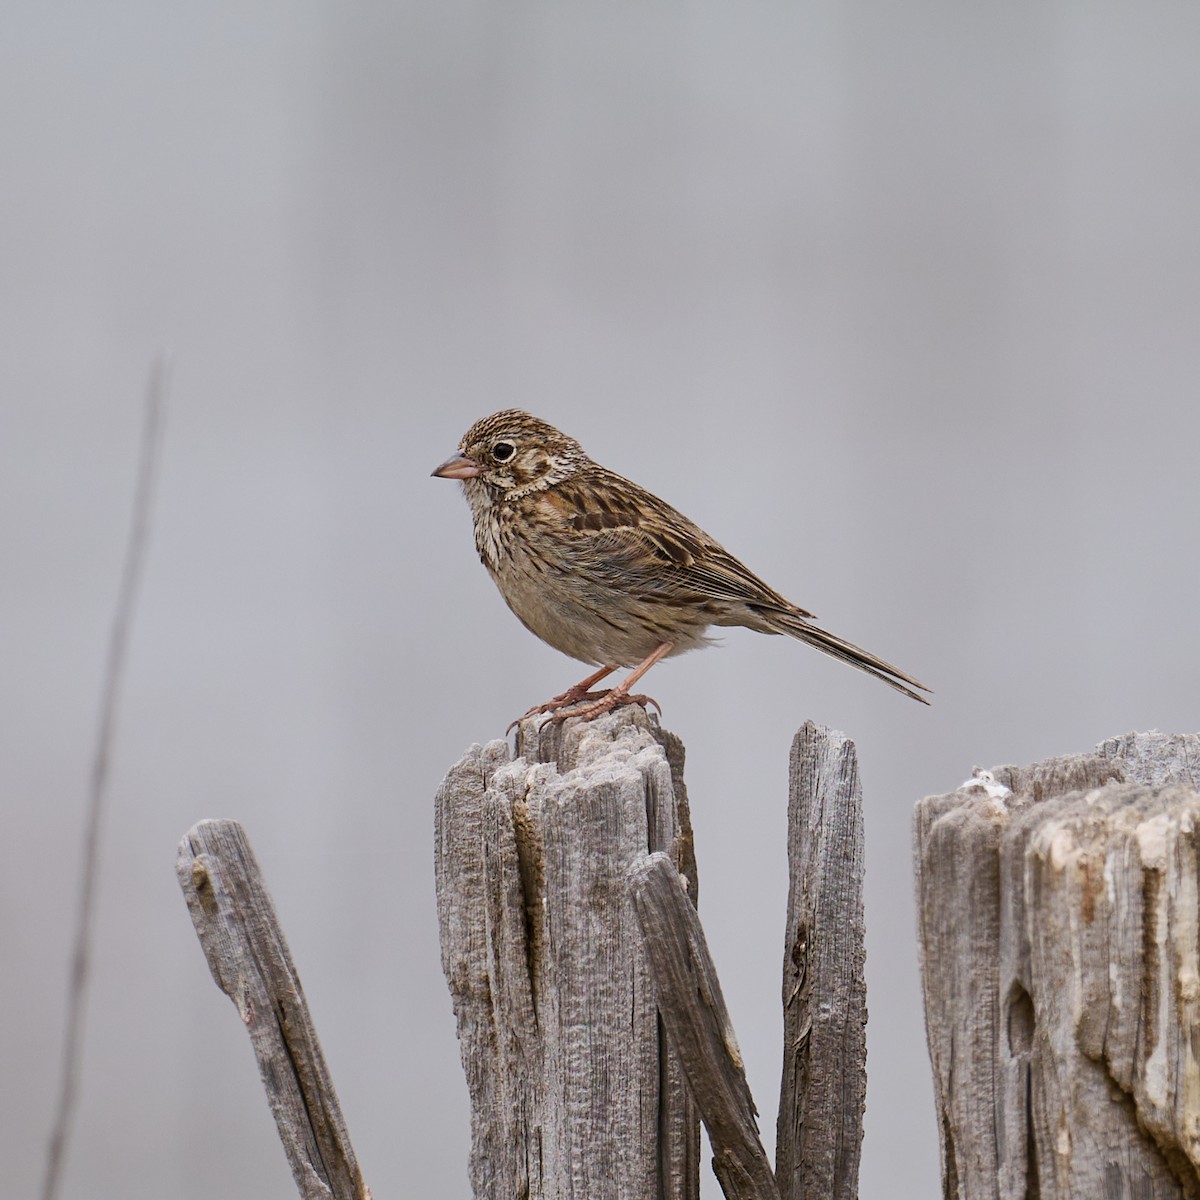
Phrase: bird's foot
x=573 y=696
x=588 y=707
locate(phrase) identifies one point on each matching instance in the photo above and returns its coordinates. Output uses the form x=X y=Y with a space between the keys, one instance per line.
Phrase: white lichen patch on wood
x=1152 y=841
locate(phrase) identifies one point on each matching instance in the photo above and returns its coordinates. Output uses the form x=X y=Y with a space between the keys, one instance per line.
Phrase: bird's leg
x=615 y=697
x=572 y=696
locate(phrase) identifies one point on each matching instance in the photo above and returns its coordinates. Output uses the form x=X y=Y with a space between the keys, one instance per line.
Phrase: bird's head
x=511 y=454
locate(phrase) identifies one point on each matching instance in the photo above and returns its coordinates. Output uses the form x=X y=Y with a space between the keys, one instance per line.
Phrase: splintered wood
x=248 y=955
x=698 y=1028
x=573 y=1088
x=824 y=1086
x=1058 y=916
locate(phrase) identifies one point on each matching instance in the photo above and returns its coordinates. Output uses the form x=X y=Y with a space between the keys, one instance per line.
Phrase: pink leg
x=619 y=695
x=573 y=695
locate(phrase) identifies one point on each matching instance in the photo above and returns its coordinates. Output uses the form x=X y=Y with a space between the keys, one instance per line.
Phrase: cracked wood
x=1058 y=919
x=574 y=1091
x=250 y=962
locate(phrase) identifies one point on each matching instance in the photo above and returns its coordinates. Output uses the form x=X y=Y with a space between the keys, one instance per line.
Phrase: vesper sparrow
x=608 y=573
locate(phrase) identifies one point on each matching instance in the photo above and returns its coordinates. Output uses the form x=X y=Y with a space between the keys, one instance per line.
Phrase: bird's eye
x=503 y=451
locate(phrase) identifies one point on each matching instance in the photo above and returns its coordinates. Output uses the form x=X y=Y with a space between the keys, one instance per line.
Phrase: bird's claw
x=571 y=698
x=614 y=698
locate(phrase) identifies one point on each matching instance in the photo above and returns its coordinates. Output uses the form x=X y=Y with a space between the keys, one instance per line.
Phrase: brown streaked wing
x=641 y=542
x=601 y=504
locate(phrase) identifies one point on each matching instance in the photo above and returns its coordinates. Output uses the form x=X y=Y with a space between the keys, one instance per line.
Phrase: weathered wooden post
x=590 y=1016
x=573 y=1089
x=824 y=1087
x=248 y=955
x=1059 y=917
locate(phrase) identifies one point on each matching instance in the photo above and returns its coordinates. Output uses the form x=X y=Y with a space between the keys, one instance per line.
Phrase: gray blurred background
x=901 y=303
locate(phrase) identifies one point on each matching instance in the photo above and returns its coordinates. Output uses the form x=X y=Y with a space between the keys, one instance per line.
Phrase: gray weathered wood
x=1059 y=922
x=573 y=1090
x=699 y=1029
x=249 y=959
x=824 y=1087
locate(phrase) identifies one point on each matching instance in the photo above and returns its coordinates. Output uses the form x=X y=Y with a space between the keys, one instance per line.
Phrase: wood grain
x=699 y=1029
x=1061 y=972
x=824 y=1086
x=250 y=962
x=574 y=1092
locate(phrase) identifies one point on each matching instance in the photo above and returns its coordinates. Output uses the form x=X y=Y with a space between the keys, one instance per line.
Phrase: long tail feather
x=829 y=643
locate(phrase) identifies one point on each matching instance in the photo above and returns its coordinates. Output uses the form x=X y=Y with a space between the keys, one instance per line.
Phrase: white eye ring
x=503 y=451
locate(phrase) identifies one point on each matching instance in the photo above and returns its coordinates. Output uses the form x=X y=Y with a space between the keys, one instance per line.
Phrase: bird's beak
x=458 y=466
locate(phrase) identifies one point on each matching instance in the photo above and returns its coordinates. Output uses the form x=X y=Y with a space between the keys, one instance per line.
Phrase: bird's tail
x=782 y=621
